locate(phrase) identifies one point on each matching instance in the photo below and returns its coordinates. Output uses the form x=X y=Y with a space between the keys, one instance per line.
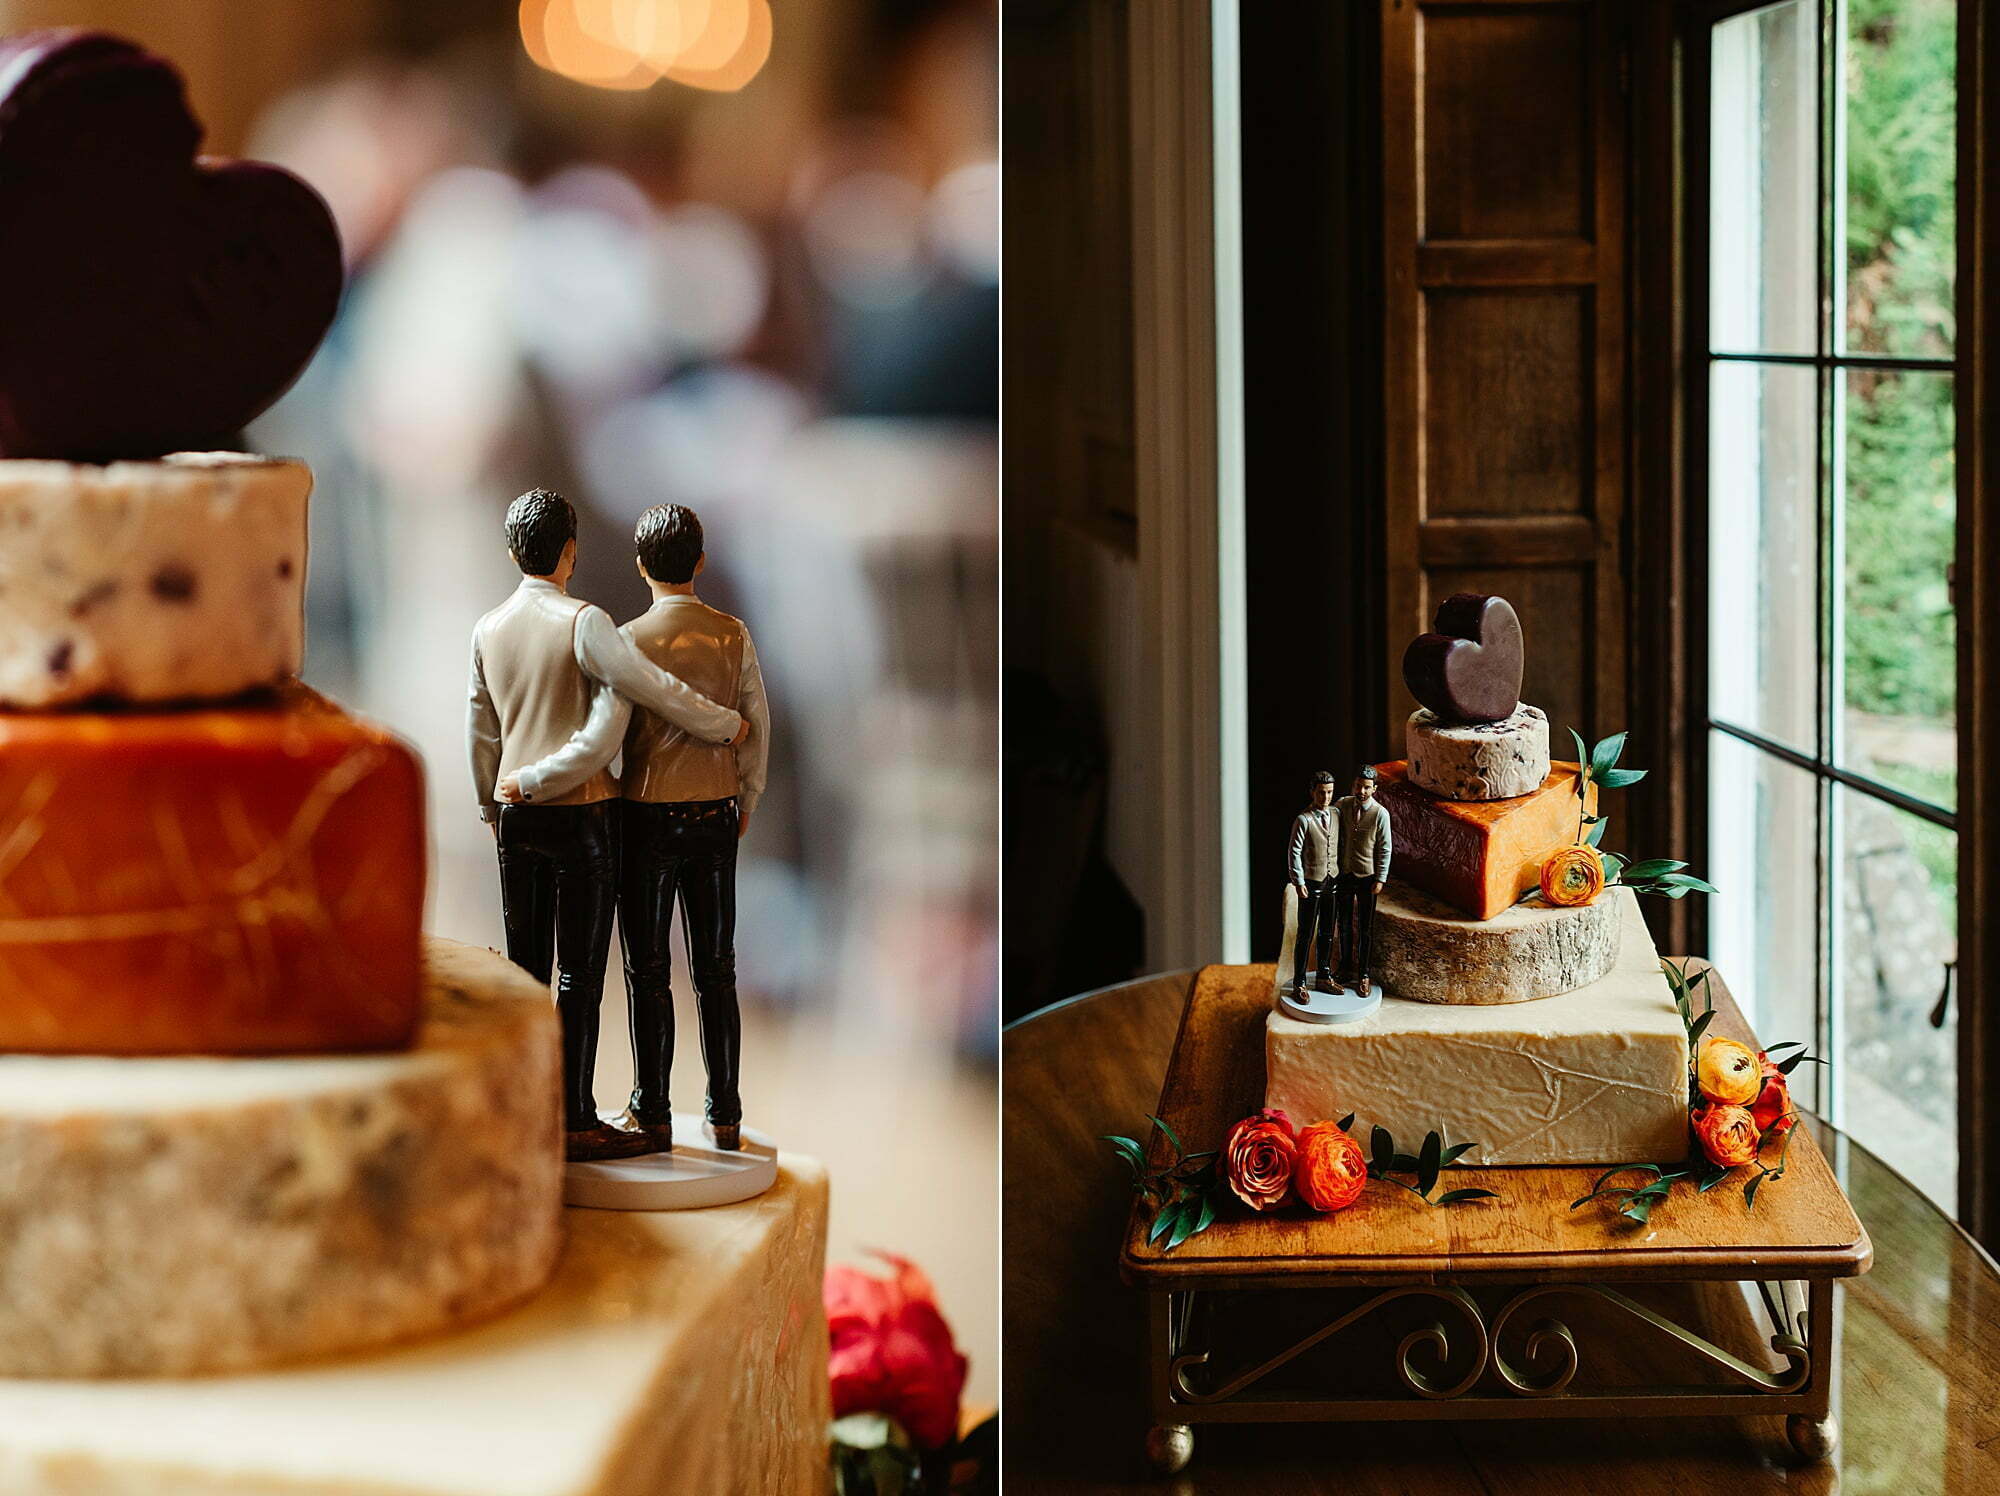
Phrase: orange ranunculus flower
x=1728 y=1134
x=1330 y=1169
x=1728 y=1072
x=1572 y=875
x=1258 y=1158
x=1772 y=1108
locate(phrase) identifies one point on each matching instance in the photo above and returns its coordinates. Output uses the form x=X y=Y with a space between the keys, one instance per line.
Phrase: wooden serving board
x=1802 y=1226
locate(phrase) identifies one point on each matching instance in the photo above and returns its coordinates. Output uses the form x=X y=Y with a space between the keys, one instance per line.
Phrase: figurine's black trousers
x=681 y=851
x=1354 y=907
x=558 y=883
x=1315 y=920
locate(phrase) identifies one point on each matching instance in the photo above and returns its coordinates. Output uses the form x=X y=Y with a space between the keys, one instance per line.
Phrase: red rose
x=1728 y=1134
x=891 y=1352
x=1258 y=1159
x=1331 y=1169
x=1772 y=1110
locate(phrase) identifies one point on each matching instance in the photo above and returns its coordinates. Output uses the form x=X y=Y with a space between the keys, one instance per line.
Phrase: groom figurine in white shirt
x=546 y=667
x=686 y=802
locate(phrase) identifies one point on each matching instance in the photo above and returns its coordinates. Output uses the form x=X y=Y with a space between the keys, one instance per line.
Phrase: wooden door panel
x=1505 y=350
x=1505 y=112
x=1514 y=366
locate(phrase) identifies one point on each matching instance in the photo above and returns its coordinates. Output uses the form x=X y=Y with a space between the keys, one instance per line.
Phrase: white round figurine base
x=1342 y=1005
x=695 y=1174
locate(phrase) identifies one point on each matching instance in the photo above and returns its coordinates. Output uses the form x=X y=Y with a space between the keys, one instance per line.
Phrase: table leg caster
x=1813 y=1439
x=1169 y=1447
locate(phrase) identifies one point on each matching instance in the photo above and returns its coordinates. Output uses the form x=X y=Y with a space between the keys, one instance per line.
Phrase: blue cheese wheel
x=177 y=580
x=171 y=1217
x=1478 y=760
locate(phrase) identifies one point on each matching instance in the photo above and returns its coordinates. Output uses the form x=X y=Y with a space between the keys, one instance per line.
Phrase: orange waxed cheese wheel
x=220 y=880
x=1479 y=856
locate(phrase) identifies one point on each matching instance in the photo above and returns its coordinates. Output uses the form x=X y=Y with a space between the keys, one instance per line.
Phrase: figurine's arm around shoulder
x=608 y=655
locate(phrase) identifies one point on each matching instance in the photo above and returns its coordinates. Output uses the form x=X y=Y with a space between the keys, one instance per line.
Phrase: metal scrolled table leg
x=1169 y=1447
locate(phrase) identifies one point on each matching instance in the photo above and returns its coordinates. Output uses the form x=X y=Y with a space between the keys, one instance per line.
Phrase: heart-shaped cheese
x=150 y=302
x=1469 y=668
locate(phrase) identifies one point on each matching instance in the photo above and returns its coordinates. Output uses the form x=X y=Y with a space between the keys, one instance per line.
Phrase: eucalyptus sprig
x=1184 y=1193
x=1427 y=1163
x=1663 y=876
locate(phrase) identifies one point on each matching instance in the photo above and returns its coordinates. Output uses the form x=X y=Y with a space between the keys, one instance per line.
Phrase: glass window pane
x=1897 y=529
x=1763 y=934
x=1898 y=150
x=1764 y=180
x=1763 y=518
x=1898 y=903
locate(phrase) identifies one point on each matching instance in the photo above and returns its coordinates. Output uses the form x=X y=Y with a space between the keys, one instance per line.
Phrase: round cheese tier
x=150 y=581
x=1428 y=952
x=1478 y=760
x=167 y=1217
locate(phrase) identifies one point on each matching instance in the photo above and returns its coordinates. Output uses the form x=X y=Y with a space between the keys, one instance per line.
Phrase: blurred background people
x=734 y=254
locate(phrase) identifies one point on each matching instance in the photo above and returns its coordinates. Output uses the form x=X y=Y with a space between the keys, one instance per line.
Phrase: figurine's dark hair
x=669 y=542
x=539 y=524
x=1323 y=777
x=1367 y=772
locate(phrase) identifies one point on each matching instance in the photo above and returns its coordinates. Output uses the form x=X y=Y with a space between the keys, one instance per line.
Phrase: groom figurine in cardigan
x=686 y=802
x=1364 y=867
x=551 y=679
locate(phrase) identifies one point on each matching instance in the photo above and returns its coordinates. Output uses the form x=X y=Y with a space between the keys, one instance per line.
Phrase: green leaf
x=1129 y=1151
x=1455 y=1152
x=1618 y=779
x=1403 y=1163
x=1172 y=1136
x=1651 y=867
x=1205 y=1217
x=1750 y=1189
x=1784 y=1044
x=1613 y=866
x=1582 y=756
x=1715 y=1175
x=1347 y=1122
x=1459 y=1197
x=1381 y=1150
x=1637 y=1209
x=1605 y=754
x=1688 y=882
x=1700 y=1025
x=1428 y=1163
x=1161 y=1222
x=1786 y=1067
x=1595 y=835
x=1654 y=1169
x=1184 y=1221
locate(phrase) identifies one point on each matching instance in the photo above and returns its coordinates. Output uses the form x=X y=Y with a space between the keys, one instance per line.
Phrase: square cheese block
x=1595 y=1076
x=1477 y=855
x=240 y=880
x=674 y=1354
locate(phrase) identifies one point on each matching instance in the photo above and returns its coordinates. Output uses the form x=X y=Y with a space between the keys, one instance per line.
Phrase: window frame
x=1979 y=1050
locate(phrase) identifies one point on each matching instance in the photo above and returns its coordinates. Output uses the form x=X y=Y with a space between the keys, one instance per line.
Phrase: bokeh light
x=716 y=45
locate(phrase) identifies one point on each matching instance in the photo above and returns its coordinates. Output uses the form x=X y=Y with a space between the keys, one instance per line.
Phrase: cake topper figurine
x=1364 y=867
x=1312 y=855
x=1468 y=669
x=552 y=683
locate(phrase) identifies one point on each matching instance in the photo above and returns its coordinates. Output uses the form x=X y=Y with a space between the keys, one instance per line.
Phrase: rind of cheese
x=169 y=1217
x=1478 y=760
x=182 y=579
x=1478 y=856
x=1428 y=952
x=682 y=1353
x=244 y=880
x=1595 y=1076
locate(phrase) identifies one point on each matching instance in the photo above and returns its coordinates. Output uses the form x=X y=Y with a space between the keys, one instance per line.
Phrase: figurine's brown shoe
x=1366 y=986
x=587 y=1145
x=660 y=1134
x=728 y=1136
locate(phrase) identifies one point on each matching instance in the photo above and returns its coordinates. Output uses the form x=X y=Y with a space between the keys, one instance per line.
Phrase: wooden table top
x=1918 y=1395
x=1802 y=1226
